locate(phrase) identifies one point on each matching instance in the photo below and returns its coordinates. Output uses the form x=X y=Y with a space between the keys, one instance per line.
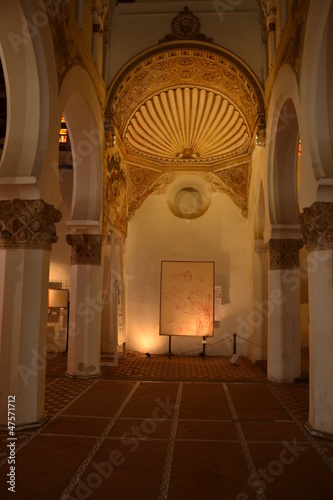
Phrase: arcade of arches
x=199 y=133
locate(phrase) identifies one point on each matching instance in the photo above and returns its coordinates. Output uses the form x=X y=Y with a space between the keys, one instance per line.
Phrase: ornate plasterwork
x=317 y=226
x=187 y=125
x=85 y=248
x=116 y=191
x=116 y=176
x=293 y=50
x=66 y=51
x=203 y=66
x=234 y=182
x=140 y=179
x=185 y=26
x=142 y=183
x=70 y=46
x=290 y=47
x=284 y=253
x=28 y=224
x=185 y=106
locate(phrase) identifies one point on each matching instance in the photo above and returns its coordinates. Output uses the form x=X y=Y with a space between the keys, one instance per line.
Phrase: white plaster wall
x=155 y=234
x=232 y=25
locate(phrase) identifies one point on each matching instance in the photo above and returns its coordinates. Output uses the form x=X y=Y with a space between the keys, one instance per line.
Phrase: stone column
x=284 y=344
x=259 y=311
x=86 y=304
x=27 y=232
x=317 y=230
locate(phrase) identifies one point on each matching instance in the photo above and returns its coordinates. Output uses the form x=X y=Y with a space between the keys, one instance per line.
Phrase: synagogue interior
x=166 y=249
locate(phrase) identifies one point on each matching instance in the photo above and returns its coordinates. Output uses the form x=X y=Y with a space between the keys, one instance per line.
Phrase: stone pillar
x=27 y=231
x=317 y=230
x=284 y=344
x=259 y=312
x=86 y=304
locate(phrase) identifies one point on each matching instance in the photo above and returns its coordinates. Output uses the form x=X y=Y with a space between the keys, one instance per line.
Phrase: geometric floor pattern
x=179 y=428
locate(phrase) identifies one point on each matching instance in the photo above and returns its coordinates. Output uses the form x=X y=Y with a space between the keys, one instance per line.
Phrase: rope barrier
x=207 y=345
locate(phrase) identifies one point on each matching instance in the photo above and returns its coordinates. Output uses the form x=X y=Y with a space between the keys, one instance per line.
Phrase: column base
x=31 y=425
x=321 y=434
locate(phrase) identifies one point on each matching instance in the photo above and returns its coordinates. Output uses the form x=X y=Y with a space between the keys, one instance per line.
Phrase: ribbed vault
x=187 y=124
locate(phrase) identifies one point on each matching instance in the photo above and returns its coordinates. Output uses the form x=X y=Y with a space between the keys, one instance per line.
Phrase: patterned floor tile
x=171 y=429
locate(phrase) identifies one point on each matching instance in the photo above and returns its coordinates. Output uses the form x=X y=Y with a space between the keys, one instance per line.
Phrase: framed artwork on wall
x=187 y=298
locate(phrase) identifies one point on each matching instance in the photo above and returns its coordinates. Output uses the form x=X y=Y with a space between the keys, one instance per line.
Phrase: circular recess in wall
x=188 y=198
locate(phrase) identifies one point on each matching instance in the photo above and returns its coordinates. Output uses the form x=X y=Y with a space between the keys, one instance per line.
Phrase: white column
x=86 y=304
x=317 y=227
x=26 y=233
x=284 y=344
x=107 y=342
x=259 y=304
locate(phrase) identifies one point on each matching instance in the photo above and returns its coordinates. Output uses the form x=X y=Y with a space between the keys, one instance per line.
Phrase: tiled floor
x=178 y=428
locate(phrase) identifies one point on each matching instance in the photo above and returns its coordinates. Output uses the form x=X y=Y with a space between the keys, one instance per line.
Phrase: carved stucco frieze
x=185 y=26
x=284 y=253
x=28 y=224
x=235 y=182
x=317 y=226
x=86 y=248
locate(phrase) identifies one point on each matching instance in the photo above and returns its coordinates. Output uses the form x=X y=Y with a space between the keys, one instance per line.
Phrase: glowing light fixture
x=63 y=131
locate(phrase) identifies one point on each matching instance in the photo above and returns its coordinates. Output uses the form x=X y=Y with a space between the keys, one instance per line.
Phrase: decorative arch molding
x=80 y=105
x=185 y=64
x=317 y=94
x=186 y=106
x=283 y=132
x=30 y=81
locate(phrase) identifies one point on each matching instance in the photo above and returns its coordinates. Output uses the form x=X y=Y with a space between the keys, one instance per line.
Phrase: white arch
x=79 y=103
x=317 y=91
x=28 y=64
x=282 y=139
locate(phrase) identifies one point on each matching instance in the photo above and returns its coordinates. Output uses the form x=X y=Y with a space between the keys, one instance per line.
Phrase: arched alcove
x=79 y=104
x=317 y=94
x=283 y=169
x=26 y=72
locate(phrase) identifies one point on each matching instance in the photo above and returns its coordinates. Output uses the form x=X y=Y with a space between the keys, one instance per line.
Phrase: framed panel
x=187 y=298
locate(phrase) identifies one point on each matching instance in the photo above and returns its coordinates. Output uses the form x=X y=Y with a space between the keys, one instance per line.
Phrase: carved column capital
x=317 y=226
x=86 y=248
x=284 y=253
x=28 y=224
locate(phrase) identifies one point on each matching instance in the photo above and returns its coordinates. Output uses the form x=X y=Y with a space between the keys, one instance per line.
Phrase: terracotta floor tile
x=155 y=429
x=209 y=429
x=102 y=400
x=271 y=431
x=77 y=426
x=208 y=470
x=128 y=473
x=45 y=465
x=292 y=470
x=204 y=400
x=202 y=449
x=149 y=400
